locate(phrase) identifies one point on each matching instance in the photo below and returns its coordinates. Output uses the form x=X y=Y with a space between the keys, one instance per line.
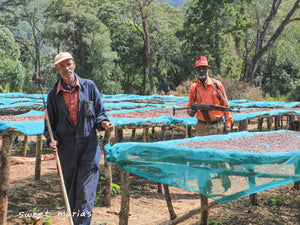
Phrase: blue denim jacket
x=91 y=113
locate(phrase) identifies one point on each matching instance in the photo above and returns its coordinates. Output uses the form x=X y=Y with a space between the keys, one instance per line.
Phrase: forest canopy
x=149 y=46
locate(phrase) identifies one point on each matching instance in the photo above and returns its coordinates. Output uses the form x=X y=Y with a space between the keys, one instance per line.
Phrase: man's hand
x=191 y=112
x=108 y=126
x=226 y=130
x=53 y=147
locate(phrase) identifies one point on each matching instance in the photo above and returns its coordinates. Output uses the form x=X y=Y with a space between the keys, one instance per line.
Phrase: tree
x=163 y=22
x=12 y=73
x=105 y=73
x=73 y=24
x=262 y=45
x=76 y=28
x=141 y=8
x=26 y=21
x=215 y=29
x=126 y=41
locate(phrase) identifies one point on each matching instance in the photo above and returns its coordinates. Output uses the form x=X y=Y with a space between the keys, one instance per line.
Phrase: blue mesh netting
x=123 y=103
x=262 y=104
x=219 y=174
x=32 y=113
x=25 y=127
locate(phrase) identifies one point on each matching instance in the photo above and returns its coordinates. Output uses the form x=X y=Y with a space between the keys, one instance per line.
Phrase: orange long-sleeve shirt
x=207 y=94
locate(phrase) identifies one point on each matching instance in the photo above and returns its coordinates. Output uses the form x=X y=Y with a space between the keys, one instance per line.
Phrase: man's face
x=66 y=69
x=202 y=72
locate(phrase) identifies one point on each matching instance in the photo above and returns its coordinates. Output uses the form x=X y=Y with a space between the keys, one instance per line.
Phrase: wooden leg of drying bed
x=4 y=176
x=169 y=202
x=125 y=197
x=191 y=213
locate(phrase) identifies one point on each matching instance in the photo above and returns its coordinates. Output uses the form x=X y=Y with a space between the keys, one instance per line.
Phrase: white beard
x=202 y=76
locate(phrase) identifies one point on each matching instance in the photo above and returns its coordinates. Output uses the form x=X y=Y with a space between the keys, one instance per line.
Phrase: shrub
x=183 y=89
x=234 y=89
x=294 y=95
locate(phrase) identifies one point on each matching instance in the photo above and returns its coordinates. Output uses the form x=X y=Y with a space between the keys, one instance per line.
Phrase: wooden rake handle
x=61 y=176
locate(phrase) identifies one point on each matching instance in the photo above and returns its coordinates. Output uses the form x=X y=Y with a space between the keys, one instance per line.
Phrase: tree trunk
x=147 y=50
x=262 y=49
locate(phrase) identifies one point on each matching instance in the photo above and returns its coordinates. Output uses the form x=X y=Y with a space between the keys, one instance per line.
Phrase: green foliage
x=212 y=222
x=278 y=98
x=126 y=41
x=72 y=29
x=12 y=72
x=116 y=190
x=215 y=29
x=105 y=73
x=5 y=89
x=294 y=95
x=228 y=219
x=47 y=221
x=277 y=76
x=8 y=47
x=276 y=202
x=163 y=22
x=108 y=42
x=56 y=203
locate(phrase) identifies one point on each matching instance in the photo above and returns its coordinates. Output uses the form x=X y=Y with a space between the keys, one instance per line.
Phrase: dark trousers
x=80 y=165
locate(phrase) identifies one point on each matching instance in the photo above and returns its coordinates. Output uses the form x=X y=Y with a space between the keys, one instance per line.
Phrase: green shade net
x=219 y=174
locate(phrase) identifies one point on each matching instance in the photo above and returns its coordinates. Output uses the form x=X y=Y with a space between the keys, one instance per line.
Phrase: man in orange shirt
x=208 y=91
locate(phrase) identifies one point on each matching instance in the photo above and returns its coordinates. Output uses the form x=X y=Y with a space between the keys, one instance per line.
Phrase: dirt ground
x=147 y=207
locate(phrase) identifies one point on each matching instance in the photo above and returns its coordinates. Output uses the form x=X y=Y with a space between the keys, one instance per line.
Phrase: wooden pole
x=204 y=214
x=133 y=132
x=277 y=123
x=169 y=202
x=260 y=124
x=191 y=213
x=118 y=135
x=163 y=133
x=172 y=132
x=186 y=133
x=245 y=125
x=38 y=156
x=253 y=197
x=25 y=145
x=269 y=122
x=4 y=177
x=297 y=185
x=125 y=197
x=61 y=176
x=146 y=137
x=107 y=173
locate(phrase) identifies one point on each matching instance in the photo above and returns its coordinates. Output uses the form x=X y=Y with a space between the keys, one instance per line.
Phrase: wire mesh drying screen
x=223 y=175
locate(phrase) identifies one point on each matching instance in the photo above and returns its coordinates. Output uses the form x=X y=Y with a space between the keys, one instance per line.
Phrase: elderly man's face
x=66 y=70
x=202 y=72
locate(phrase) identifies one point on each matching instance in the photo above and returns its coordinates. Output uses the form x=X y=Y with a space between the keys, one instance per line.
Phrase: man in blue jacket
x=76 y=112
